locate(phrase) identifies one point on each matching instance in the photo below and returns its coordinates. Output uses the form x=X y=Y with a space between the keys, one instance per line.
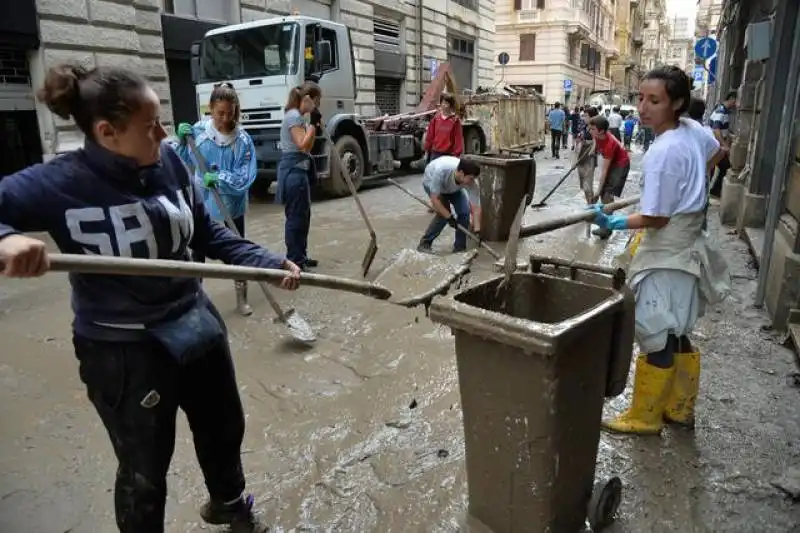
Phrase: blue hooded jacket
x=95 y=202
x=236 y=163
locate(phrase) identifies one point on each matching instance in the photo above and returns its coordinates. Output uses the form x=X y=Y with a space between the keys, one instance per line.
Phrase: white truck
x=264 y=59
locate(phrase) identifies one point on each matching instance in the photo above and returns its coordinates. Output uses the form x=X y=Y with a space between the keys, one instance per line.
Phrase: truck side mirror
x=195 y=62
x=324 y=55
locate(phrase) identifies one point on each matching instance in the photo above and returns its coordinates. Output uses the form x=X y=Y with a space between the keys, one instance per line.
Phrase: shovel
x=467 y=232
x=372 y=247
x=510 y=263
x=299 y=329
x=580 y=160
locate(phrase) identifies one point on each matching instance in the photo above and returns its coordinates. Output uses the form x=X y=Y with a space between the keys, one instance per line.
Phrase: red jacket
x=445 y=136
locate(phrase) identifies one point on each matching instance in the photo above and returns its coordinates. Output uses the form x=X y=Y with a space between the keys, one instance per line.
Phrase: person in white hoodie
x=674 y=271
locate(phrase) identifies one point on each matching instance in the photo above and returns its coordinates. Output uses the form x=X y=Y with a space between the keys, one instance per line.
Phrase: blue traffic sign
x=712 y=71
x=698 y=74
x=705 y=48
x=503 y=58
x=568 y=86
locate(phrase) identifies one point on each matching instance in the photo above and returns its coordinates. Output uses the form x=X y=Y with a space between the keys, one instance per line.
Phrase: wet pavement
x=362 y=432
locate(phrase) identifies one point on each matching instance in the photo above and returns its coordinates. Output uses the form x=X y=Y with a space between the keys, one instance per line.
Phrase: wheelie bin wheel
x=603 y=505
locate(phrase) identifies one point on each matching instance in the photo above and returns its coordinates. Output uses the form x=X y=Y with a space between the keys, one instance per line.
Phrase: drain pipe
x=420 y=68
x=778 y=180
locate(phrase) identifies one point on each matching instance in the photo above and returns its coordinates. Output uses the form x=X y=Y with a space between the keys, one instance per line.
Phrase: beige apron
x=674 y=273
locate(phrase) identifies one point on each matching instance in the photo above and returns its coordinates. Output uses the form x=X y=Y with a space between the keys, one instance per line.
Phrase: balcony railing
x=529 y=15
x=574 y=17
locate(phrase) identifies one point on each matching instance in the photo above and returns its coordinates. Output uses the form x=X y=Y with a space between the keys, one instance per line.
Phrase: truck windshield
x=250 y=53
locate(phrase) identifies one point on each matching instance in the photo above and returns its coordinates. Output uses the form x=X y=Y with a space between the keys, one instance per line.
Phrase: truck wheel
x=353 y=161
x=472 y=141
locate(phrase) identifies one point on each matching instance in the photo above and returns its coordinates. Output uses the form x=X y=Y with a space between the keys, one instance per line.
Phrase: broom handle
x=125 y=266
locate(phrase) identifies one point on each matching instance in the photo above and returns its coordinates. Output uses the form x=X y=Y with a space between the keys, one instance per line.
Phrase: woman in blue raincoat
x=296 y=172
x=230 y=158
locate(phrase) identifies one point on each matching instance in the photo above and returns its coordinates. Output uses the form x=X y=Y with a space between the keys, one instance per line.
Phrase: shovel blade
x=299 y=329
x=510 y=264
x=369 y=257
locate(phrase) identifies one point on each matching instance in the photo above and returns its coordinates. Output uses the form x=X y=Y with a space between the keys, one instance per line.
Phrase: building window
x=218 y=10
x=469 y=4
x=327 y=34
x=462 y=47
x=527 y=47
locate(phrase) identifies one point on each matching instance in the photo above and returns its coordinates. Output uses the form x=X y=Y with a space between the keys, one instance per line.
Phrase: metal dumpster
x=535 y=360
x=504 y=180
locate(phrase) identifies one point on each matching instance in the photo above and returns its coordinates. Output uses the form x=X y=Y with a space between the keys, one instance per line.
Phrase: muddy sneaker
x=237 y=516
x=311 y=263
x=425 y=248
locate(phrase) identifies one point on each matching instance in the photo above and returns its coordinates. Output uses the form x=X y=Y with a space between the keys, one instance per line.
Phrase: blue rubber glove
x=211 y=180
x=612 y=222
x=184 y=129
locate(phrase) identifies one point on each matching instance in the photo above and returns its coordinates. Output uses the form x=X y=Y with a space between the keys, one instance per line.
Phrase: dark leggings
x=238 y=222
x=665 y=357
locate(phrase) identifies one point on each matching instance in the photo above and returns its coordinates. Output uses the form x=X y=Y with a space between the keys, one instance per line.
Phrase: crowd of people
x=148 y=346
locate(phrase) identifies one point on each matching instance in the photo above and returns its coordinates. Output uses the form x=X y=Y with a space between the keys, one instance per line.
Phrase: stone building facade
x=154 y=37
x=626 y=69
x=556 y=41
x=657 y=34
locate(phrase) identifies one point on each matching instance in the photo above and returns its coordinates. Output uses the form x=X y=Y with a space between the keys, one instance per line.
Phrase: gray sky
x=682 y=8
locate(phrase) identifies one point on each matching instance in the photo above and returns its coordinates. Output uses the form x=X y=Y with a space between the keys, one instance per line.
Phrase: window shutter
x=517 y=5
x=527 y=47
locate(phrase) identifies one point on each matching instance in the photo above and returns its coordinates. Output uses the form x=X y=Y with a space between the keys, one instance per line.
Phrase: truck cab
x=264 y=60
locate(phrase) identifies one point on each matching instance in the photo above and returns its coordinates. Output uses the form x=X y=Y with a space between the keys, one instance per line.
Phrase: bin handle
x=617 y=274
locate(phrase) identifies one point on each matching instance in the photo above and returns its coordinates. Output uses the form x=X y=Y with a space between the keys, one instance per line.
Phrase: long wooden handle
x=467 y=232
x=587 y=215
x=124 y=266
x=350 y=185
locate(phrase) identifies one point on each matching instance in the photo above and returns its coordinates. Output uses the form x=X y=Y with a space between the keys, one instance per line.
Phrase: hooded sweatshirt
x=95 y=202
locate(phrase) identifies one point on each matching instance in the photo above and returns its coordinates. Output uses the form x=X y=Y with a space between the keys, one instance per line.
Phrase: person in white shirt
x=674 y=272
x=615 y=123
x=451 y=184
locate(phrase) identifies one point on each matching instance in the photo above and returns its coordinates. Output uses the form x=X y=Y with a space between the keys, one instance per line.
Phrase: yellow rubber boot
x=683 y=394
x=651 y=385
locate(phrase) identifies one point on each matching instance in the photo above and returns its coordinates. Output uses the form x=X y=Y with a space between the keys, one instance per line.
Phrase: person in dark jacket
x=296 y=172
x=147 y=346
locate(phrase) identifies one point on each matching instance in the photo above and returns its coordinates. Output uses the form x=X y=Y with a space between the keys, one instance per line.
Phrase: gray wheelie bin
x=535 y=361
x=505 y=179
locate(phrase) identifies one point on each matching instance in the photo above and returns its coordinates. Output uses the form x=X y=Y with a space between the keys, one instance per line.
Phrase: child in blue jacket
x=230 y=157
x=147 y=346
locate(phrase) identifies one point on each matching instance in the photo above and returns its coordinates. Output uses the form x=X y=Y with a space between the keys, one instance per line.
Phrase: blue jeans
x=458 y=202
x=296 y=198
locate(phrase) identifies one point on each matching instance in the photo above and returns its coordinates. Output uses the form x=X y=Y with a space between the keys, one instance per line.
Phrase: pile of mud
x=415 y=277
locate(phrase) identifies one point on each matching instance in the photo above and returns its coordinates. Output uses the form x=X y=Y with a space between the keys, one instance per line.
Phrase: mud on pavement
x=362 y=432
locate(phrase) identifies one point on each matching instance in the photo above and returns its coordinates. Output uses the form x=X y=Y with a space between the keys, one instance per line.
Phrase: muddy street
x=362 y=432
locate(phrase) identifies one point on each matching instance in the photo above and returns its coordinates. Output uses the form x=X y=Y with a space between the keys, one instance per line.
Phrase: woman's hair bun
x=61 y=91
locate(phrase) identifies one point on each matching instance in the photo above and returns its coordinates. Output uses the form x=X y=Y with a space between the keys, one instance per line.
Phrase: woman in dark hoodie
x=147 y=346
